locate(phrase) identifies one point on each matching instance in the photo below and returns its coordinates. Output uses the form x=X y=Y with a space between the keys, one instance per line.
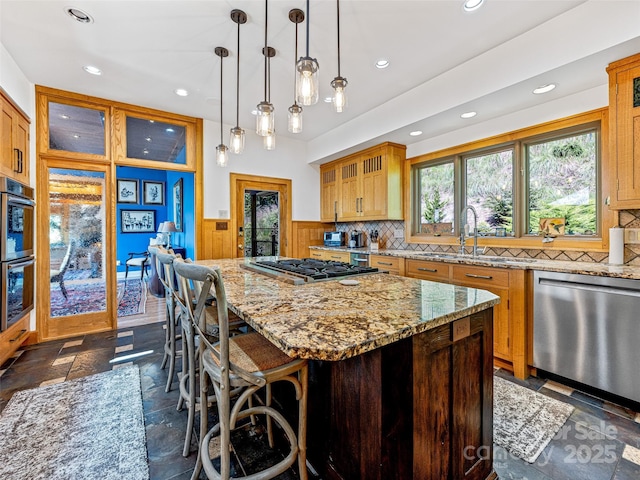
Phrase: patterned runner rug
x=91 y=427
x=524 y=421
x=89 y=296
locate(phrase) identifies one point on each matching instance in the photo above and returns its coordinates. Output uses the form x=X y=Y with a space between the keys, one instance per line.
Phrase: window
x=76 y=129
x=436 y=195
x=524 y=185
x=155 y=140
x=562 y=185
x=489 y=189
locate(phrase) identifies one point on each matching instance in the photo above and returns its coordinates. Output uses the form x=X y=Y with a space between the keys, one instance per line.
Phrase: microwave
x=334 y=239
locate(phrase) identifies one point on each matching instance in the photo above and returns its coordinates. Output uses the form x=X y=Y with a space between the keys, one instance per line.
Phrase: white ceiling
x=444 y=61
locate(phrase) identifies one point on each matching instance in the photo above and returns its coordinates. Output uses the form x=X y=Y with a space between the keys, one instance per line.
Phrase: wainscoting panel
x=306 y=234
x=216 y=239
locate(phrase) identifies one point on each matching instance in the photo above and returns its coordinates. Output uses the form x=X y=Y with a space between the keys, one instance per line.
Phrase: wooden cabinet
x=336 y=256
x=364 y=186
x=12 y=338
x=14 y=141
x=417 y=408
x=393 y=265
x=509 y=317
x=328 y=192
x=424 y=270
x=624 y=123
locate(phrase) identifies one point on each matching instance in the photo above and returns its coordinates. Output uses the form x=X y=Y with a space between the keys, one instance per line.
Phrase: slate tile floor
x=600 y=441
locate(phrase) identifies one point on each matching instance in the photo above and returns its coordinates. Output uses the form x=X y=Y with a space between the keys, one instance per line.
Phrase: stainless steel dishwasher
x=587 y=329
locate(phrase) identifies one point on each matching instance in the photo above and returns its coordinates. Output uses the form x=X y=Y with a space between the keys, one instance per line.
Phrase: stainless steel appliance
x=356 y=239
x=586 y=328
x=361 y=259
x=17 y=217
x=17 y=264
x=306 y=270
x=334 y=239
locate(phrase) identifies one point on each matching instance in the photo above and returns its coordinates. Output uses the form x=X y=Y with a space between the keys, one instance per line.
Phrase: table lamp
x=167 y=228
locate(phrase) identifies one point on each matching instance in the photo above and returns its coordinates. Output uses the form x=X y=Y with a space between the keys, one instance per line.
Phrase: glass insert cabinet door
x=78 y=287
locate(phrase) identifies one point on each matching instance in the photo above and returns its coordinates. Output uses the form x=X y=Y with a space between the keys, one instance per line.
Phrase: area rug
x=524 y=421
x=91 y=427
x=89 y=296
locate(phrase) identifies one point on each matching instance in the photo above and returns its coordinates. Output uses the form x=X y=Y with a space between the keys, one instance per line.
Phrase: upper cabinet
x=14 y=141
x=364 y=186
x=624 y=115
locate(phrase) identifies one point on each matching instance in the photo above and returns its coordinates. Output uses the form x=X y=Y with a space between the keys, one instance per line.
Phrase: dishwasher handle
x=615 y=290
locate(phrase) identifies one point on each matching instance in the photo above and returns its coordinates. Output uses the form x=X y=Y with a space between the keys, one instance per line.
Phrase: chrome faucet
x=463 y=225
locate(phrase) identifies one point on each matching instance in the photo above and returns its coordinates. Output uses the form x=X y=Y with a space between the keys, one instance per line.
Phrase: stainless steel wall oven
x=17 y=262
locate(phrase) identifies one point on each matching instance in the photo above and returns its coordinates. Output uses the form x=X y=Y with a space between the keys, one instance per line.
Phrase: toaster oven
x=334 y=239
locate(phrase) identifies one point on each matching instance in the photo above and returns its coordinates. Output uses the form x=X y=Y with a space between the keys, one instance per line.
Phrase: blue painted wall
x=138 y=242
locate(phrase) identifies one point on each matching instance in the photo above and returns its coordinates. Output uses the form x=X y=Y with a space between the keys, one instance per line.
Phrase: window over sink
x=540 y=181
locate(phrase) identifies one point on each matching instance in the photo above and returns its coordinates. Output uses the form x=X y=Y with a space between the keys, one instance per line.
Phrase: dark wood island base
x=419 y=408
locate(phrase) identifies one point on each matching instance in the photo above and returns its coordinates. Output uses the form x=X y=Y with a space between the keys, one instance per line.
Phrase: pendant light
x=222 y=152
x=295 y=111
x=307 y=81
x=339 y=83
x=269 y=141
x=236 y=139
x=265 y=120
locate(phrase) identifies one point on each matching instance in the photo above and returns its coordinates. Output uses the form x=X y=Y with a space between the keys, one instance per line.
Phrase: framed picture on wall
x=127 y=190
x=152 y=193
x=177 y=204
x=138 y=221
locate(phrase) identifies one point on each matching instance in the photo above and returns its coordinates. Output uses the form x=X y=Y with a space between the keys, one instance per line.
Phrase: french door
x=76 y=231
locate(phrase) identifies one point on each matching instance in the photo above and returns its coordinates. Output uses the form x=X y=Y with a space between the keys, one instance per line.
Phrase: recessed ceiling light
x=544 y=88
x=468 y=115
x=169 y=130
x=328 y=99
x=471 y=5
x=76 y=136
x=382 y=63
x=148 y=139
x=181 y=92
x=92 y=70
x=79 y=15
x=415 y=133
x=64 y=116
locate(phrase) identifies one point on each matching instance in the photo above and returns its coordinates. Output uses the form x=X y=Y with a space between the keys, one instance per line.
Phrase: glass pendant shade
x=295 y=118
x=222 y=155
x=307 y=91
x=339 y=100
x=265 y=119
x=236 y=140
x=269 y=141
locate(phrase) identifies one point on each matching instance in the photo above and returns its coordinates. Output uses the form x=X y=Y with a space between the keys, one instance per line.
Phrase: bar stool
x=247 y=362
x=164 y=260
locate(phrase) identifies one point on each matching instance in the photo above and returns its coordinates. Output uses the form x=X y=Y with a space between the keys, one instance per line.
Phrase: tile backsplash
x=387 y=228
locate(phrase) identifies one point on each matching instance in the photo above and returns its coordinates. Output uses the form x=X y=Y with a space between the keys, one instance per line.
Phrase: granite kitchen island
x=401 y=378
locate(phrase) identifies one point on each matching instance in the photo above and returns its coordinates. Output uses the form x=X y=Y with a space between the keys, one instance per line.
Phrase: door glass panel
x=261 y=223
x=153 y=140
x=76 y=129
x=76 y=236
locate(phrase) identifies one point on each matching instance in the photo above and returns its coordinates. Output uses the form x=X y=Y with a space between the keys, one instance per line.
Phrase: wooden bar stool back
x=248 y=362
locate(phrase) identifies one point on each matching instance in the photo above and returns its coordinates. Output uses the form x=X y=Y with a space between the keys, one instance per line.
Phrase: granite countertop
x=585 y=268
x=329 y=321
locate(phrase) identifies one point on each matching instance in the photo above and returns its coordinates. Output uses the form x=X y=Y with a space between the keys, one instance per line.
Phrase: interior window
x=562 y=184
x=154 y=140
x=436 y=193
x=489 y=189
x=76 y=129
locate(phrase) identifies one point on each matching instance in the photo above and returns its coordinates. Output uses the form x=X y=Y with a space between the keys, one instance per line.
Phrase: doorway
x=261 y=223
x=261 y=217
x=76 y=254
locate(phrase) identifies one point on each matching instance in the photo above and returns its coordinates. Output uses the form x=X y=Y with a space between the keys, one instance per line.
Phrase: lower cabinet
x=13 y=338
x=509 y=322
x=393 y=265
x=336 y=256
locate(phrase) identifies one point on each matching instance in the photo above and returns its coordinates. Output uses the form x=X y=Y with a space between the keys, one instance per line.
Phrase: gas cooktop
x=309 y=269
